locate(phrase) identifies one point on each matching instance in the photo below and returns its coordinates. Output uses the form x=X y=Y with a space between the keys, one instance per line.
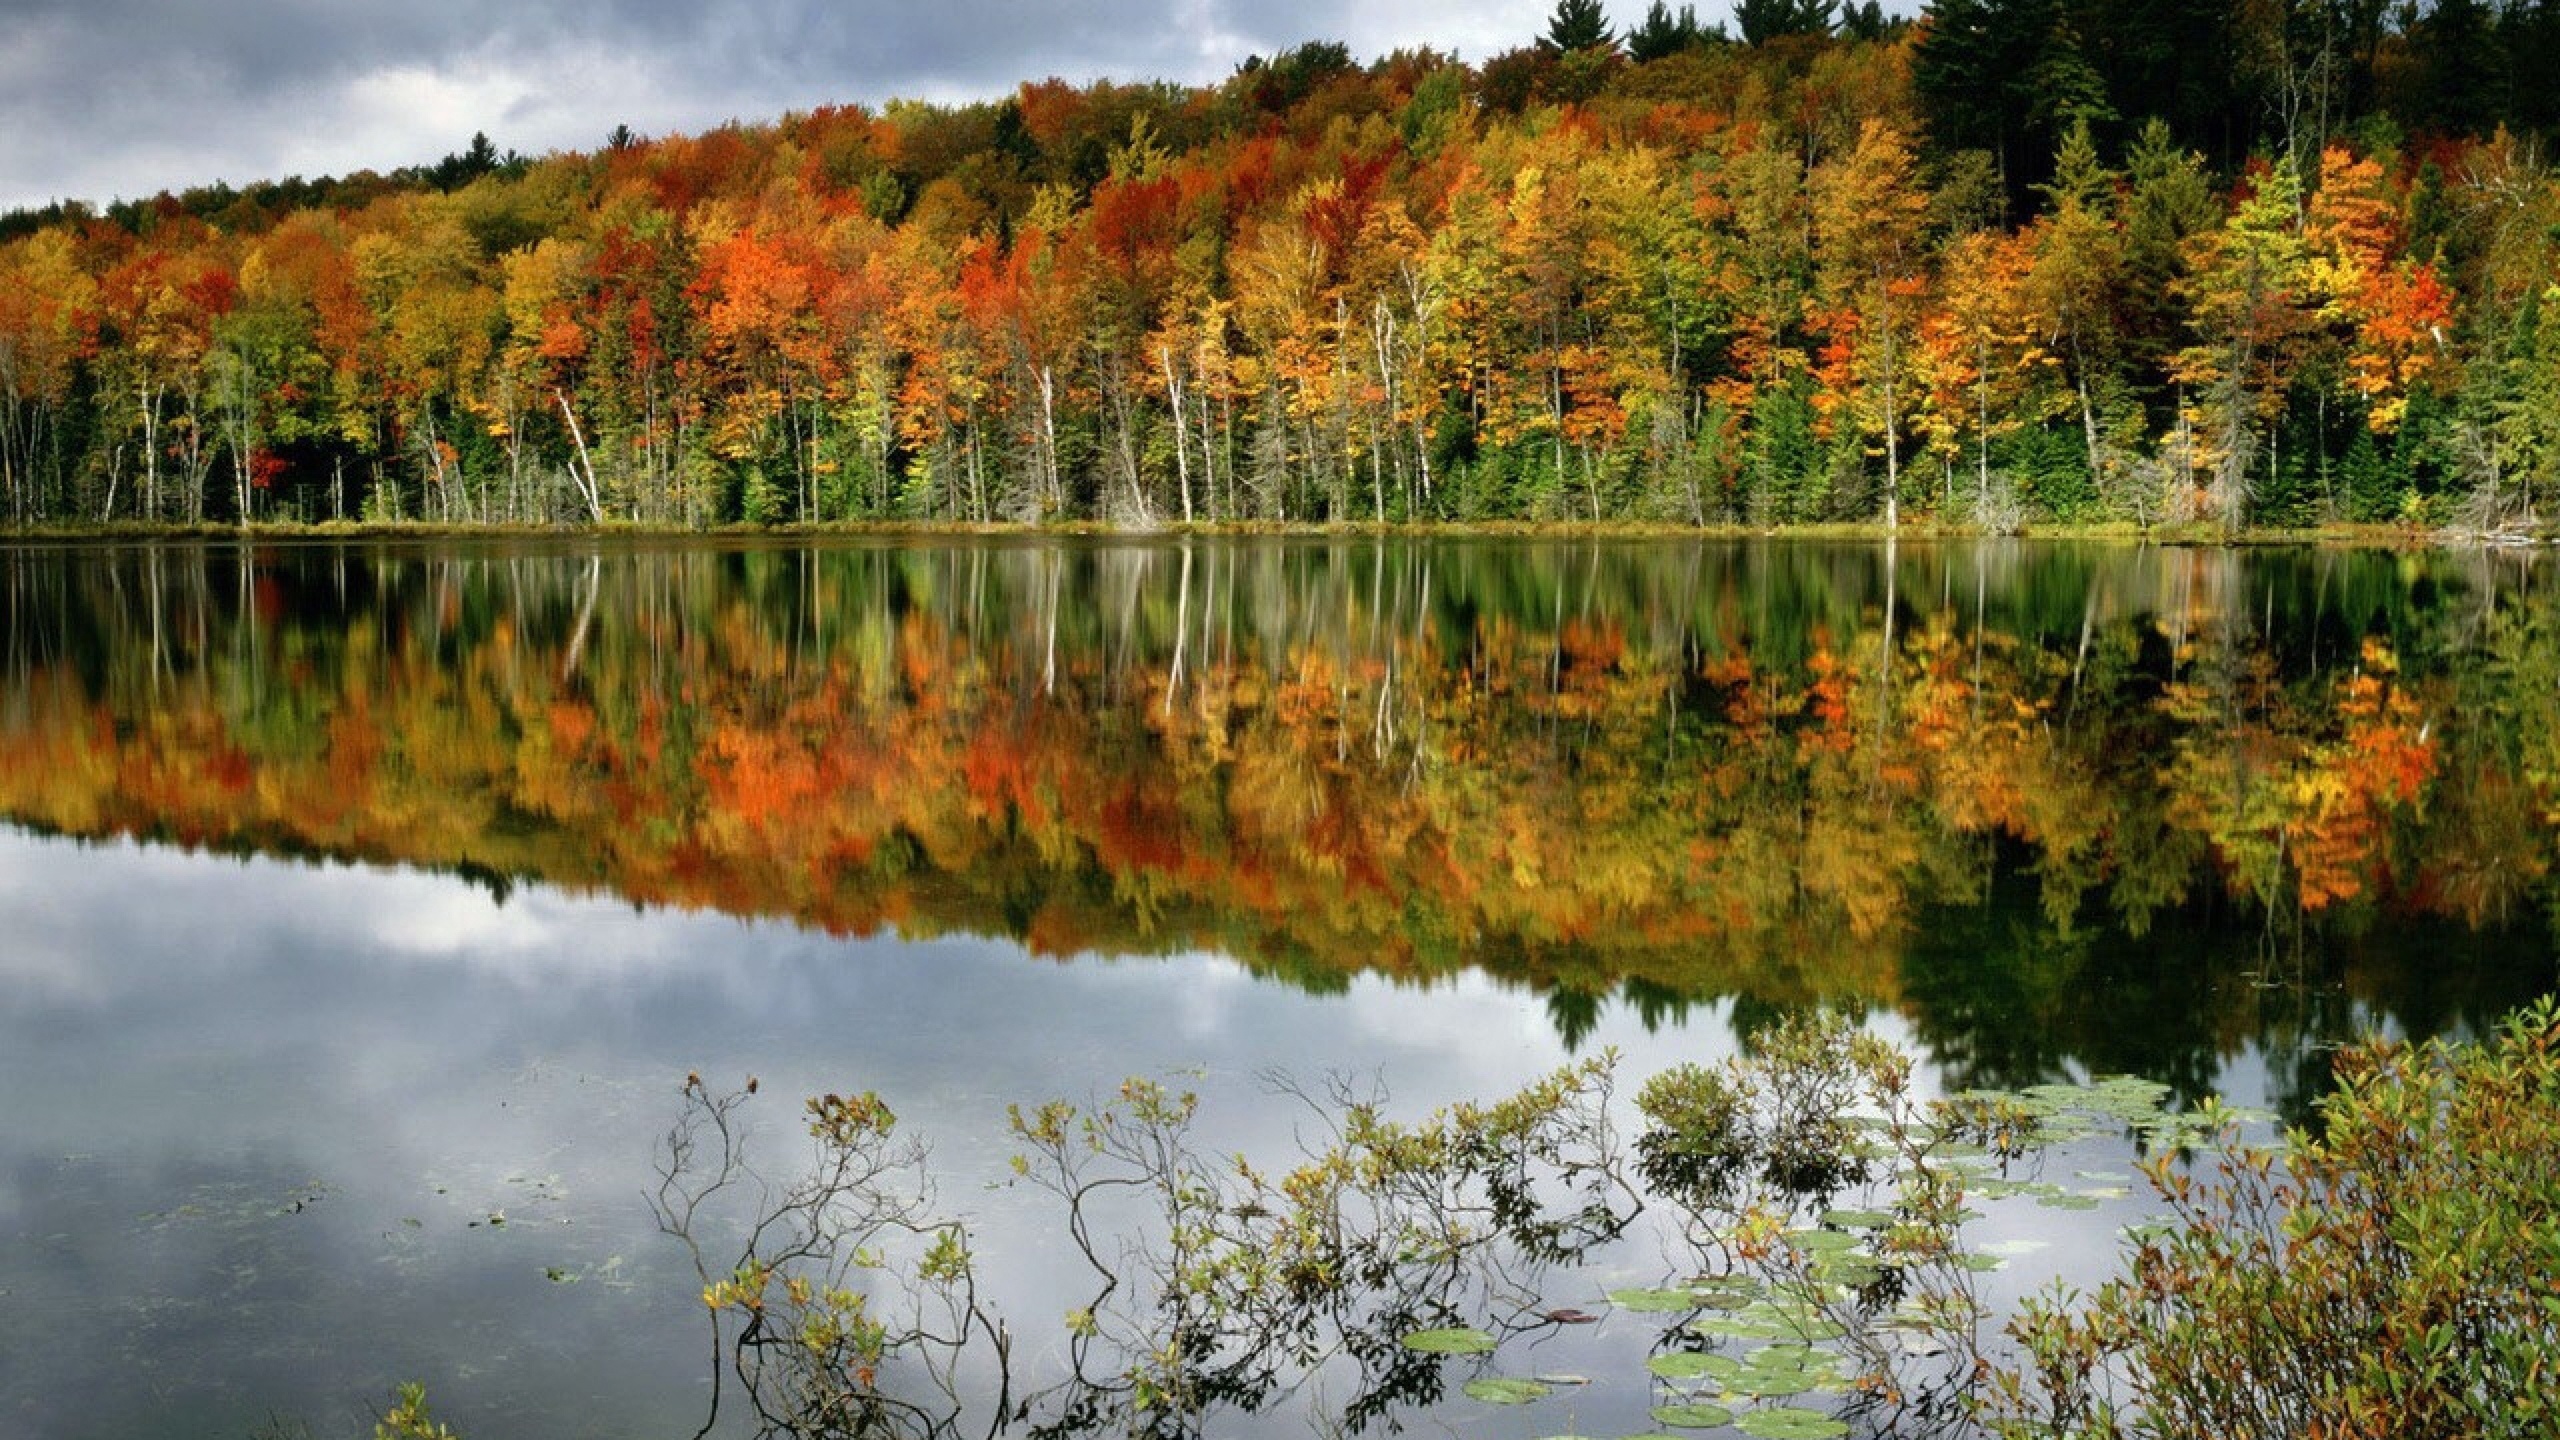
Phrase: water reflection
x=620 y=813
x=2063 y=805
x=192 y=1046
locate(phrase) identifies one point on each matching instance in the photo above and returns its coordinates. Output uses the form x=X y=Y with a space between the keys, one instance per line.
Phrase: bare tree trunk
x=584 y=472
x=1181 y=437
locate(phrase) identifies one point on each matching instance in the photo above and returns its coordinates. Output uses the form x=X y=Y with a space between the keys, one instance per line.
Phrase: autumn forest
x=2010 y=262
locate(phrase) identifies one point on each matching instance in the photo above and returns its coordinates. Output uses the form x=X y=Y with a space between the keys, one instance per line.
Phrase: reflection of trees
x=2030 y=798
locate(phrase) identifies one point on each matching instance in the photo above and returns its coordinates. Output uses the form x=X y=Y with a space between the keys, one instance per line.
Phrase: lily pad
x=1857 y=1219
x=1692 y=1417
x=1788 y=1423
x=1457 y=1340
x=1660 y=1302
x=1762 y=1320
x=1694 y=1365
x=1501 y=1390
x=1777 y=1384
x=1853 y=1270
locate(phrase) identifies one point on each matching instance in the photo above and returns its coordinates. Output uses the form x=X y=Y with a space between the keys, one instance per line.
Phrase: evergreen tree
x=1663 y=35
x=2461 y=72
x=1765 y=20
x=1867 y=21
x=1579 y=25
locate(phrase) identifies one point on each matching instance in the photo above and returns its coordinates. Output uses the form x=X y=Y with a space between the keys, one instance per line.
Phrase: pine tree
x=1579 y=25
x=1765 y=20
x=1663 y=35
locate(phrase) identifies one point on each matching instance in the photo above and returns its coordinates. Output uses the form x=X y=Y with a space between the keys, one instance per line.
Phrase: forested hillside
x=2015 y=261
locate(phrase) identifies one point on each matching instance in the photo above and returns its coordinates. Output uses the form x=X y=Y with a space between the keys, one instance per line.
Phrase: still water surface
x=365 y=905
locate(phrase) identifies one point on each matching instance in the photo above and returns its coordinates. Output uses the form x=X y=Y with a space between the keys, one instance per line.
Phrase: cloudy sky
x=107 y=99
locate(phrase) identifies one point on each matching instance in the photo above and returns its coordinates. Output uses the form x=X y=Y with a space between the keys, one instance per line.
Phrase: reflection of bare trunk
x=1884 y=663
x=586 y=619
x=1049 y=653
x=1181 y=631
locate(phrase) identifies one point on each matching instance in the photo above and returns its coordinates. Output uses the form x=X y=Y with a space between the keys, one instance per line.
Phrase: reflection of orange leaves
x=572 y=725
x=1590 y=647
x=2343 y=794
x=1826 y=703
x=992 y=767
x=764 y=780
x=229 y=769
x=1140 y=831
x=1744 y=708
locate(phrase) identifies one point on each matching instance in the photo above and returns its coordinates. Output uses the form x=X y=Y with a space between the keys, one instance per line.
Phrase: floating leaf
x=1855 y=1271
x=1776 y=1357
x=1692 y=1417
x=1774 y=1384
x=1457 y=1340
x=1694 y=1365
x=1501 y=1390
x=1857 y=1219
x=1821 y=1242
x=1652 y=1301
x=1742 y=1327
x=1762 y=1321
x=1788 y=1423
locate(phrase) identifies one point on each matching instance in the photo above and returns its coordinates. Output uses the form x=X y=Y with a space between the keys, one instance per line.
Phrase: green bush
x=2387 y=1274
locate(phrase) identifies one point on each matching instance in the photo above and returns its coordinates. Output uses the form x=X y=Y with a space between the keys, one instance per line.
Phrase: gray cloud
x=105 y=99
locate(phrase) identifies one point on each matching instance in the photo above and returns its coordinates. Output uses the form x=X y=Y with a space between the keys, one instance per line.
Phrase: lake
x=365 y=907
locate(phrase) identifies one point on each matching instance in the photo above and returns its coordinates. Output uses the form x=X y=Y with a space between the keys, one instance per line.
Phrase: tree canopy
x=2017 y=261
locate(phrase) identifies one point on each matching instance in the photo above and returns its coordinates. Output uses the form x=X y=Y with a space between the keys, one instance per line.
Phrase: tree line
x=2014 y=261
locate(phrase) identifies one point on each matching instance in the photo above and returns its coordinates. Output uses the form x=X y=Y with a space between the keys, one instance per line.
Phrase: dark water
x=365 y=906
